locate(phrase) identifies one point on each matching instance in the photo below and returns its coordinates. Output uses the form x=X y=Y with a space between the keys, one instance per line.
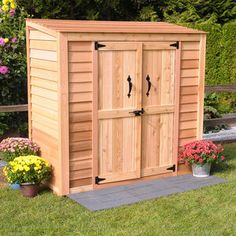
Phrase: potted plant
x=29 y=172
x=15 y=147
x=11 y=148
x=201 y=154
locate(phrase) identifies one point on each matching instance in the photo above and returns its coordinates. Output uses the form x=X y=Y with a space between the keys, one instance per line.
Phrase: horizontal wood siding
x=189 y=88
x=43 y=100
x=80 y=107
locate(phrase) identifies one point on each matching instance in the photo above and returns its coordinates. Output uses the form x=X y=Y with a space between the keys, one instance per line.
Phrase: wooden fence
x=226 y=119
x=14 y=108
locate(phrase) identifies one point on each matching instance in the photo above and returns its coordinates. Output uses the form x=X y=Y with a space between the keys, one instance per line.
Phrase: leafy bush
x=211 y=11
x=12 y=63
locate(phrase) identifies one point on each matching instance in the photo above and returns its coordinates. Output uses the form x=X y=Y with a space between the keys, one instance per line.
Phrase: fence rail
x=14 y=108
x=225 y=119
x=221 y=88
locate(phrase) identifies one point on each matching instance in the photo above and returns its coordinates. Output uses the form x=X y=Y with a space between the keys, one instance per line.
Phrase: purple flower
x=4 y=70
x=12 y=12
x=13 y=40
x=2 y=43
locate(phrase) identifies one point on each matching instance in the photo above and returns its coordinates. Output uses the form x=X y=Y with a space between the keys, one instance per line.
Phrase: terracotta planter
x=29 y=189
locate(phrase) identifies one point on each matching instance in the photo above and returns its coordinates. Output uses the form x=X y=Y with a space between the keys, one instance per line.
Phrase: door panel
x=157 y=121
x=135 y=146
x=119 y=131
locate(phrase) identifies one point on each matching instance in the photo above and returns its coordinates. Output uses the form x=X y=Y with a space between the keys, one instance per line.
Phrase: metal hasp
x=138 y=112
x=99 y=45
x=172 y=168
x=175 y=45
x=97 y=179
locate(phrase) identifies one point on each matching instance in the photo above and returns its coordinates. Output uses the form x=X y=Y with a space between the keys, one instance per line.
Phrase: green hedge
x=221 y=52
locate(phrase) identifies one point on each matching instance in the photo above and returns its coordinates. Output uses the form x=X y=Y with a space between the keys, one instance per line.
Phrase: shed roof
x=86 y=26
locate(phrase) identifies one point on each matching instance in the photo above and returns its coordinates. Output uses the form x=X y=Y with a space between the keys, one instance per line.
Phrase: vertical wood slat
x=28 y=82
x=63 y=114
x=201 y=86
x=177 y=106
x=95 y=116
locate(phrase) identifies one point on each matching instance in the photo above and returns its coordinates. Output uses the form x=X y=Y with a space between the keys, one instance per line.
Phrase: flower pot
x=29 y=189
x=14 y=186
x=201 y=170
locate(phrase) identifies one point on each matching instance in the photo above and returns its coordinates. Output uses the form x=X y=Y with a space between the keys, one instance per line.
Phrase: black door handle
x=130 y=86
x=149 y=84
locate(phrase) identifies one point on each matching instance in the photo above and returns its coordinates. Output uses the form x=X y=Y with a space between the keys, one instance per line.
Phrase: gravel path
x=223 y=135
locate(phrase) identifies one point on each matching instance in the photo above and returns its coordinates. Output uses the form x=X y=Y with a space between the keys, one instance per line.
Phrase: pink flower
x=222 y=158
x=4 y=70
x=12 y=12
x=2 y=43
x=13 y=40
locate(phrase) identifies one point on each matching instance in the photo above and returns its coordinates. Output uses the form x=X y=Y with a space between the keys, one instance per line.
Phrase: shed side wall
x=43 y=97
x=189 y=92
x=80 y=113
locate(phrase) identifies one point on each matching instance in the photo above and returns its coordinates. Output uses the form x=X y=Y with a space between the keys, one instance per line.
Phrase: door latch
x=137 y=112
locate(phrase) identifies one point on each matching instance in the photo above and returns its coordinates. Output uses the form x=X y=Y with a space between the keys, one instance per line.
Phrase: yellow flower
x=12 y=1
x=5 y=2
x=5 y=8
x=6 y=40
x=13 y=5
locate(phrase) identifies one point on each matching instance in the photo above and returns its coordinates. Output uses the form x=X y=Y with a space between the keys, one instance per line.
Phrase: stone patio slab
x=129 y=194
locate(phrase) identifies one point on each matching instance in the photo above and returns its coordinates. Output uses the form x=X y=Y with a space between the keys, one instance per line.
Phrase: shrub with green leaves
x=13 y=81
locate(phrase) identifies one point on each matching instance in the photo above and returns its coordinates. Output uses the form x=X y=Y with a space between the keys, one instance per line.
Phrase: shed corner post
x=63 y=110
x=28 y=80
x=201 y=84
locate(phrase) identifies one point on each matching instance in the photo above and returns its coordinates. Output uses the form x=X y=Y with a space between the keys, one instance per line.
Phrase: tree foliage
x=177 y=11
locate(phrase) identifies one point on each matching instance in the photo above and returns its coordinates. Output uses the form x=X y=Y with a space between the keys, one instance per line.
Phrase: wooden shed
x=110 y=102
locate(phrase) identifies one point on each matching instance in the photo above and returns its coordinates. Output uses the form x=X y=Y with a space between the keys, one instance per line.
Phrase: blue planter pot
x=14 y=186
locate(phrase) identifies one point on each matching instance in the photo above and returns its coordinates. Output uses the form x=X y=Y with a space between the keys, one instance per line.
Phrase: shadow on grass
x=223 y=167
x=230 y=161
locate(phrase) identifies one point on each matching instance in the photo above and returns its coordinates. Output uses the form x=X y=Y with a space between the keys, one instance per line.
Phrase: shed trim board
x=66 y=114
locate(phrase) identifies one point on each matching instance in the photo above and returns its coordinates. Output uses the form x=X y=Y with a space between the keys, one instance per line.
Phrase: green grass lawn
x=208 y=211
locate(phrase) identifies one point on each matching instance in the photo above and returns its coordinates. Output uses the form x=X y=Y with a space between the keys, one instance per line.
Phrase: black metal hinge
x=97 y=179
x=172 y=168
x=99 y=45
x=175 y=45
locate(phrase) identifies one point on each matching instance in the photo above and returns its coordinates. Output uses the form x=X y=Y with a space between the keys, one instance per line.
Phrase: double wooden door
x=136 y=101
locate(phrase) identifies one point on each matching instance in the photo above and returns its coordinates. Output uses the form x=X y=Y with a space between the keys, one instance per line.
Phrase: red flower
x=202 y=151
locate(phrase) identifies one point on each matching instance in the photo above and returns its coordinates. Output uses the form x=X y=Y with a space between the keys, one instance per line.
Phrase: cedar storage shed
x=110 y=102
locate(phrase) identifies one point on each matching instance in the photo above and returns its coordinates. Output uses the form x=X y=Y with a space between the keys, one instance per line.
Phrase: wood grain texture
x=80 y=59
x=43 y=98
x=112 y=26
x=157 y=144
x=201 y=86
x=119 y=150
x=63 y=110
x=131 y=37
